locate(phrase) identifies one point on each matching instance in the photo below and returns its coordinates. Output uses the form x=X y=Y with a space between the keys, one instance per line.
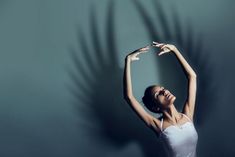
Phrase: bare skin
x=170 y=114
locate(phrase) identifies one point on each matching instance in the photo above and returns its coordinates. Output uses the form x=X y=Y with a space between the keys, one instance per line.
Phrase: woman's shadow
x=96 y=84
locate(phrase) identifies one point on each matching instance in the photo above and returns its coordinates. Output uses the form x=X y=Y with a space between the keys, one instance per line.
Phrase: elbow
x=192 y=75
x=127 y=97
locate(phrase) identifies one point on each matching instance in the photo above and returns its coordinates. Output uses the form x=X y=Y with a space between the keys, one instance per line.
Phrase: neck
x=171 y=114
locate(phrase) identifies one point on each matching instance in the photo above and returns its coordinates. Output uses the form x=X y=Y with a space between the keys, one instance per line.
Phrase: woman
x=174 y=128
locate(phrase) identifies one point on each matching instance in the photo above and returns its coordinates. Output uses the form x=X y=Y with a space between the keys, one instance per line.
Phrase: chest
x=185 y=134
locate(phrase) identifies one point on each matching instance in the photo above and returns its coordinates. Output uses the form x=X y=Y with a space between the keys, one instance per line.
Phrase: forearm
x=128 y=95
x=127 y=84
x=187 y=68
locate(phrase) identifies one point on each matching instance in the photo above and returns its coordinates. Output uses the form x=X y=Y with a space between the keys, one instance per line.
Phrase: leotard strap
x=161 y=123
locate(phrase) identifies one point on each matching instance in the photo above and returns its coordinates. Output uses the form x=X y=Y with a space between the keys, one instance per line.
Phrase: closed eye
x=161 y=92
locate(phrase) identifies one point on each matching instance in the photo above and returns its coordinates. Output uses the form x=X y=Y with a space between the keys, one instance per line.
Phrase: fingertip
x=160 y=53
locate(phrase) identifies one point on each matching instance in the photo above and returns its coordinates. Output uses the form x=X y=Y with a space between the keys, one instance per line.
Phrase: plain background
x=37 y=112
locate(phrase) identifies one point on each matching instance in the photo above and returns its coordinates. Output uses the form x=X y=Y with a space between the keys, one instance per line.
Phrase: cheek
x=173 y=99
x=162 y=100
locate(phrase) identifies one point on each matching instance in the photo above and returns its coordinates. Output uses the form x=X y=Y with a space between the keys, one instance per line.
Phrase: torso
x=181 y=121
x=180 y=139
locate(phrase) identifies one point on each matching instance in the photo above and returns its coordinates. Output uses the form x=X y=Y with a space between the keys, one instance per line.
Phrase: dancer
x=176 y=129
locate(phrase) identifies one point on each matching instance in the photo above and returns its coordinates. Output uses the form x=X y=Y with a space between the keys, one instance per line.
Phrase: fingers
x=135 y=58
x=156 y=44
x=145 y=48
x=163 y=52
x=165 y=47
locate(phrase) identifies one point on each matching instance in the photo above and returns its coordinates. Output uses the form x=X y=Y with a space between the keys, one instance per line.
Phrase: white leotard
x=180 y=140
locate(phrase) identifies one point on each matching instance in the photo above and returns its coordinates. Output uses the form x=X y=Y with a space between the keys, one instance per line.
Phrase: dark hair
x=149 y=101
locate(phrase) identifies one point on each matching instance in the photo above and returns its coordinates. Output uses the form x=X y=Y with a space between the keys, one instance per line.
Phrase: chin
x=173 y=99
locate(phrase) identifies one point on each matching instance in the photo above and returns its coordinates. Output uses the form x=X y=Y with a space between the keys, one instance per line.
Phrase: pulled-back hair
x=149 y=101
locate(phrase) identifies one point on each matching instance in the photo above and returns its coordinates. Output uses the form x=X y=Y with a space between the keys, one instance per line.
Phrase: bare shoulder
x=189 y=115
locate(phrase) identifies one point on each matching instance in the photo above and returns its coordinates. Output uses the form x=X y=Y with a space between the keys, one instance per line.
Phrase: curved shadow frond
x=98 y=65
x=149 y=24
x=96 y=82
x=163 y=23
x=193 y=50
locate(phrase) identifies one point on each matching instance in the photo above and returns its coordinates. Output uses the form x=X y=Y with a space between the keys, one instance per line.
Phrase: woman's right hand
x=165 y=48
x=133 y=55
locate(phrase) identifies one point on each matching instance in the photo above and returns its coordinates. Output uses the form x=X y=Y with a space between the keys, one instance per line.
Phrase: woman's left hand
x=133 y=56
x=165 y=48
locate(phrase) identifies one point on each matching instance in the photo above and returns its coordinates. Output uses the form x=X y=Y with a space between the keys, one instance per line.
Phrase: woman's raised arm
x=128 y=93
x=191 y=75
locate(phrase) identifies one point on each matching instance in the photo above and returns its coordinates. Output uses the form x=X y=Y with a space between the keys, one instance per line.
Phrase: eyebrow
x=155 y=94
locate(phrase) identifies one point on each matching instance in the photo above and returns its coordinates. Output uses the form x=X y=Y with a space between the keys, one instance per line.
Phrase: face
x=163 y=96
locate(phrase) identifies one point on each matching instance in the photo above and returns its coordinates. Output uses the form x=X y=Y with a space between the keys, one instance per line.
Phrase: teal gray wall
x=39 y=114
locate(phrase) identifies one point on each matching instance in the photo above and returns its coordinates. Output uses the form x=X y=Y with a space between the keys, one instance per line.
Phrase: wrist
x=127 y=59
x=175 y=50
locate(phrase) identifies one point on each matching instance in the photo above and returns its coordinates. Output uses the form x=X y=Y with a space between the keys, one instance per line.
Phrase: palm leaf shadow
x=193 y=50
x=3 y=5
x=97 y=85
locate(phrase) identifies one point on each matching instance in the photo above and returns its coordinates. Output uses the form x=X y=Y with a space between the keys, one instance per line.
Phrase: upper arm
x=149 y=120
x=189 y=105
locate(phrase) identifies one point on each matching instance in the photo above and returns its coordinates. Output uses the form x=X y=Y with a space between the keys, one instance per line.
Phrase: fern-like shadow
x=192 y=48
x=97 y=81
x=97 y=85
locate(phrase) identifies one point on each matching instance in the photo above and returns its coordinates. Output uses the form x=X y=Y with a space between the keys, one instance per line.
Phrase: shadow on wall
x=3 y=4
x=192 y=48
x=97 y=82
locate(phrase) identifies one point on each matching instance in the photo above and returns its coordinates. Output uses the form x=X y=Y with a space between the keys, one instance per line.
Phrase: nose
x=165 y=92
